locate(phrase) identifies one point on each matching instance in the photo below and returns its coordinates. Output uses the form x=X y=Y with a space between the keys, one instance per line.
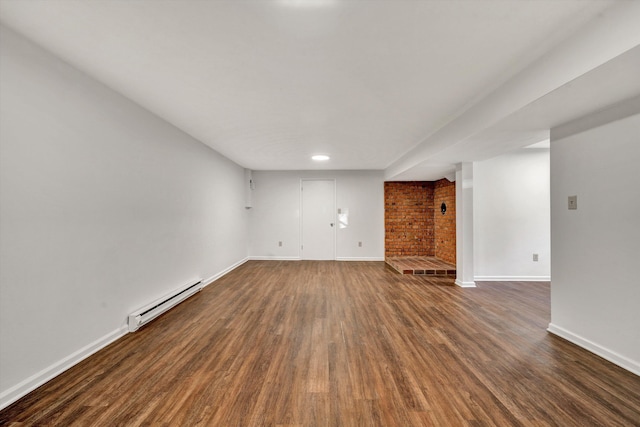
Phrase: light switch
x=573 y=202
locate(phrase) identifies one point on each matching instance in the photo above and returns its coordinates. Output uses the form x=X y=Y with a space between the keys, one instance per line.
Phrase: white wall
x=103 y=208
x=595 y=292
x=512 y=216
x=465 y=225
x=275 y=215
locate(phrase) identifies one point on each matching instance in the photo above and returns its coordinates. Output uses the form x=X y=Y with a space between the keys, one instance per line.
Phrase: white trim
x=274 y=258
x=25 y=387
x=465 y=284
x=215 y=277
x=295 y=258
x=613 y=357
x=512 y=278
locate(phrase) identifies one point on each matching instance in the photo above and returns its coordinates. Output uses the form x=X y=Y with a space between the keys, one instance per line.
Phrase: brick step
x=421 y=265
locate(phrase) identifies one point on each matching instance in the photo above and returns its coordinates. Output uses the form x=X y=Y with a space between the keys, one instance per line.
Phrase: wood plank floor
x=341 y=344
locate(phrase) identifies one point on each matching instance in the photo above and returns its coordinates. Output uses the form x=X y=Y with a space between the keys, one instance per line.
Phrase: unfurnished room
x=319 y=213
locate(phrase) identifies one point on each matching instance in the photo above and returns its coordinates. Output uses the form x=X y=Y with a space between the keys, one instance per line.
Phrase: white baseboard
x=605 y=353
x=21 y=389
x=227 y=270
x=465 y=284
x=274 y=258
x=512 y=278
x=297 y=258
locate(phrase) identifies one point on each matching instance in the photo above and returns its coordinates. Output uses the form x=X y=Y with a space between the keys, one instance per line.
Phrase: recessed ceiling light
x=320 y=157
x=307 y=3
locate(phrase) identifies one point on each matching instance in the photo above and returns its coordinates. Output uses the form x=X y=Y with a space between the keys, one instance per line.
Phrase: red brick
x=414 y=225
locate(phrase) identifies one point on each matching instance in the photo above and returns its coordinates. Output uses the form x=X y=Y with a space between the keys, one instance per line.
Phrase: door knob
x=332 y=224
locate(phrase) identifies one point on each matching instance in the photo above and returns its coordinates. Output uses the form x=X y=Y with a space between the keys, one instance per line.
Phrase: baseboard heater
x=149 y=312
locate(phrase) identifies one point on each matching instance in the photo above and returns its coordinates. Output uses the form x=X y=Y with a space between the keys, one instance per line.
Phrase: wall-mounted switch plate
x=535 y=257
x=280 y=243
x=359 y=244
x=573 y=202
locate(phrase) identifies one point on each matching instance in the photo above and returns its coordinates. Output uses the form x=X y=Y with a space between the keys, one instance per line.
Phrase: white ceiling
x=608 y=84
x=269 y=83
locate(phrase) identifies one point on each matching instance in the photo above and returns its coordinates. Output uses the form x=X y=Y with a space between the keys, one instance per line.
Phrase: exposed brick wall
x=408 y=218
x=414 y=225
x=445 y=225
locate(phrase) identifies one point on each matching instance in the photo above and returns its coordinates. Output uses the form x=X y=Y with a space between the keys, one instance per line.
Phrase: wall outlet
x=573 y=202
x=280 y=243
x=359 y=244
x=535 y=257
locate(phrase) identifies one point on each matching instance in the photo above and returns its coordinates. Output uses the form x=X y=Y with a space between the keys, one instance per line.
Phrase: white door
x=318 y=219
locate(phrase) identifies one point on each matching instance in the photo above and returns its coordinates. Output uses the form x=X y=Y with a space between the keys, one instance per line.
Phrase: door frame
x=335 y=226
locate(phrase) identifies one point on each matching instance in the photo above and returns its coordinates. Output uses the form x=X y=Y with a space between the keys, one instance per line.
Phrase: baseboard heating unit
x=149 y=312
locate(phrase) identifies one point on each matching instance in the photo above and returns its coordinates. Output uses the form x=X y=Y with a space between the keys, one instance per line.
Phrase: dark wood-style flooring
x=341 y=344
